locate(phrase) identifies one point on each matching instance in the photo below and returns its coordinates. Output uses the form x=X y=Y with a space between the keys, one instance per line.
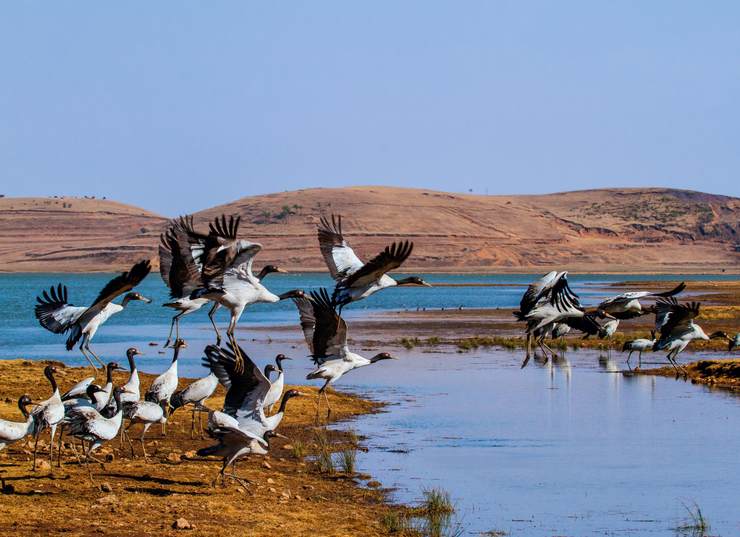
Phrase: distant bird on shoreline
x=733 y=342
x=326 y=336
x=640 y=345
x=57 y=315
x=356 y=280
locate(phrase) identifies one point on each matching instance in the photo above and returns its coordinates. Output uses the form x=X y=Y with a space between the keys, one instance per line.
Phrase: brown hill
x=614 y=230
x=74 y=234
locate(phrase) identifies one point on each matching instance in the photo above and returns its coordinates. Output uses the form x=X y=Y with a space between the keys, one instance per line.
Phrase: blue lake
x=573 y=449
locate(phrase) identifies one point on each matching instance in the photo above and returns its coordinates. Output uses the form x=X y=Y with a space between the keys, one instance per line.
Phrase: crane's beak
x=281 y=270
x=278 y=435
x=145 y=299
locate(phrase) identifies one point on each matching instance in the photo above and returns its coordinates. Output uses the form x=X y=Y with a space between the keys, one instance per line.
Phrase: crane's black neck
x=131 y=363
x=267 y=371
x=117 y=399
x=50 y=375
x=22 y=404
x=125 y=301
x=109 y=374
x=91 y=390
x=287 y=397
x=175 y=354
x=279 y=362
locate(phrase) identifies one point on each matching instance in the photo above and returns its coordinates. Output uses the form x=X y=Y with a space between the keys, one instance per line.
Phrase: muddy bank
x=288 y=493
x=718 y=373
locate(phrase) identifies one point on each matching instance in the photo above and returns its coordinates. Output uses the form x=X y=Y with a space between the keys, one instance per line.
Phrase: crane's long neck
x=283 y=404
x=125 y=301
x=109 y=375
x=22 y=407
x=131 y=364
x=175 y=354
x=52 y=381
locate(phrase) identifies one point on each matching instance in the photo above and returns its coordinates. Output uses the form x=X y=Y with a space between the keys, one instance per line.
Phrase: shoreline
x=288 y=492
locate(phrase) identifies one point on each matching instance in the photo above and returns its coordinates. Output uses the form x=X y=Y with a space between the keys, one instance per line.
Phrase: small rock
x=191 y=454
x=105 y=487
x=308 y=487
x=152 y=344
x=43 y=466
x=298 y=497
x=270 y=481
x=288 y=447
x=182 y=524
x=267 y=465
x=174 y=457
x=374 y=484
x=240 y=490
x=272 y=490
x=108 y=499
x=285 y=495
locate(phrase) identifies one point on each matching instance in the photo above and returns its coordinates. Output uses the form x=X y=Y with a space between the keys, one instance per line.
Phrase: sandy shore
x=288 y=495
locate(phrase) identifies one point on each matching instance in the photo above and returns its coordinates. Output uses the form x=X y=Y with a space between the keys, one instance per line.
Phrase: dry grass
x=289 y=498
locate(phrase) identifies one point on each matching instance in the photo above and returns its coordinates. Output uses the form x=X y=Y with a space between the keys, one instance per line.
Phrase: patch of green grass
x=395 y=522
x=348 y=460
x=437 y=501
x=695 y=525
x=298 y=449
x=324 y=460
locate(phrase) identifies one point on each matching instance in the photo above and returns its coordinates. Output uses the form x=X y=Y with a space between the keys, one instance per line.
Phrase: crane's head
x=133 y=351
x=179 y=344
x=136 y=296
x=270 y=269
x=23 y=401
x=413 y=280
x=381 y=356
x=294 y=293
x=279 y=360
x=270 y=368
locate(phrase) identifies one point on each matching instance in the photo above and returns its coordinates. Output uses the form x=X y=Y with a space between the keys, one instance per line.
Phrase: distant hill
x=611 y=230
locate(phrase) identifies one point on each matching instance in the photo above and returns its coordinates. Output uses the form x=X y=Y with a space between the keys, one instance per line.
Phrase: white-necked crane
x=146 y=413
x=640 y=345
x=195 y=394
x=56 y=314
x=245 y=391
x=227 y=276
x=356 y=280
x=675 y=324
x=733 y=342
x=165 y=384
x=550 y=300
x=48 y=414
x=12 y=431
x=88 y=424
x=276 y=388
x=326 y=336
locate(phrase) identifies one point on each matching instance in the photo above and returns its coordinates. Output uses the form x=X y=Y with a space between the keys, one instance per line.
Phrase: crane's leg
x=87 y=356
x=213 y=309
x=59 y=447
x=128 y=437
x=639 y=359
x=143 y=433
x=192 y=423
x=528 y=347
x=35 y=448
x=88 y=349
x=172 y=326
x=628 y=360
x=326 y=398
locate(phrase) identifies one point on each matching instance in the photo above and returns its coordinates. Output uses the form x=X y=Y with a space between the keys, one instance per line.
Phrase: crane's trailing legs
x=211 y=312
x=87 y=351
x=175 y=324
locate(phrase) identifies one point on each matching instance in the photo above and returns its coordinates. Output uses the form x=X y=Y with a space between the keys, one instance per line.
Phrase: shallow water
x=576 y=449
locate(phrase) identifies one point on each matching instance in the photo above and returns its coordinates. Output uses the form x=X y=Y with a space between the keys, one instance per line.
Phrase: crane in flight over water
x=356 y=280
x=56 y=314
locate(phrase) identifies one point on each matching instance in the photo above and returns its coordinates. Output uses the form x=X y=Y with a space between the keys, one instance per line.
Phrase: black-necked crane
x=12 y=431
x=326 y=336
x=227 y=276
x=276 y=387
x=234 y=444
x=733 y=342
x=181 y=272
x=550 y=300
x=195 y=394
x=638 y=345
x=87 y=424
x=165 y=384
x=48 y=415
x=107 y=389
x=245 y=391
x=628 y=306
x=132 y=389
x=675 y=324
x=56 y=314
x=356 y=280
x=145 y=413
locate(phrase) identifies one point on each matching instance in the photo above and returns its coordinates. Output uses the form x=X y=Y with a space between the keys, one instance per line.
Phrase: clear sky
x=177 y=106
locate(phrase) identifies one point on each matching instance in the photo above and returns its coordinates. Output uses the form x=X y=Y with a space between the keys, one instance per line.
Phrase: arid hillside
x=615 y=230
x=74 y=234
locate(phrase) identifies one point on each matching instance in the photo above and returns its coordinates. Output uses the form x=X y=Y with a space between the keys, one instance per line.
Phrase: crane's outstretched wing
x=627 y=297
x=673 y=319
x=246 y=391
x=54 y=312
x=390 y=258
x=338 y=255
x=176 y=263
x=120 y=284
x=534 y=293
x=325 y=331
x=562 y=296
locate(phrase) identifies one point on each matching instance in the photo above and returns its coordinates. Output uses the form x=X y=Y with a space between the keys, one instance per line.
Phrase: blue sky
x=176 y=106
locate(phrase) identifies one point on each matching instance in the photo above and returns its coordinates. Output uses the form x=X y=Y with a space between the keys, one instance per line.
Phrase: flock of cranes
x=216 y=268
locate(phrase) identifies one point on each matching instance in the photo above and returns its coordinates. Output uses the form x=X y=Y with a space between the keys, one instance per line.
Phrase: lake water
x=575 y=449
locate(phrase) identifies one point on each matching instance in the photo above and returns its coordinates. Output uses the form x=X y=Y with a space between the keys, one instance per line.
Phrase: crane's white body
x=164 y=385
x=198 y=391
x=12 y=431
x=132 y=389
x=187 y=305
x=610 y=327
x=79 y=389
x=144 y=412
x=88 y=424
x=333 y=369
x=676 y=343
x=221 y=420
x=276 y=390
x=358 y=293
